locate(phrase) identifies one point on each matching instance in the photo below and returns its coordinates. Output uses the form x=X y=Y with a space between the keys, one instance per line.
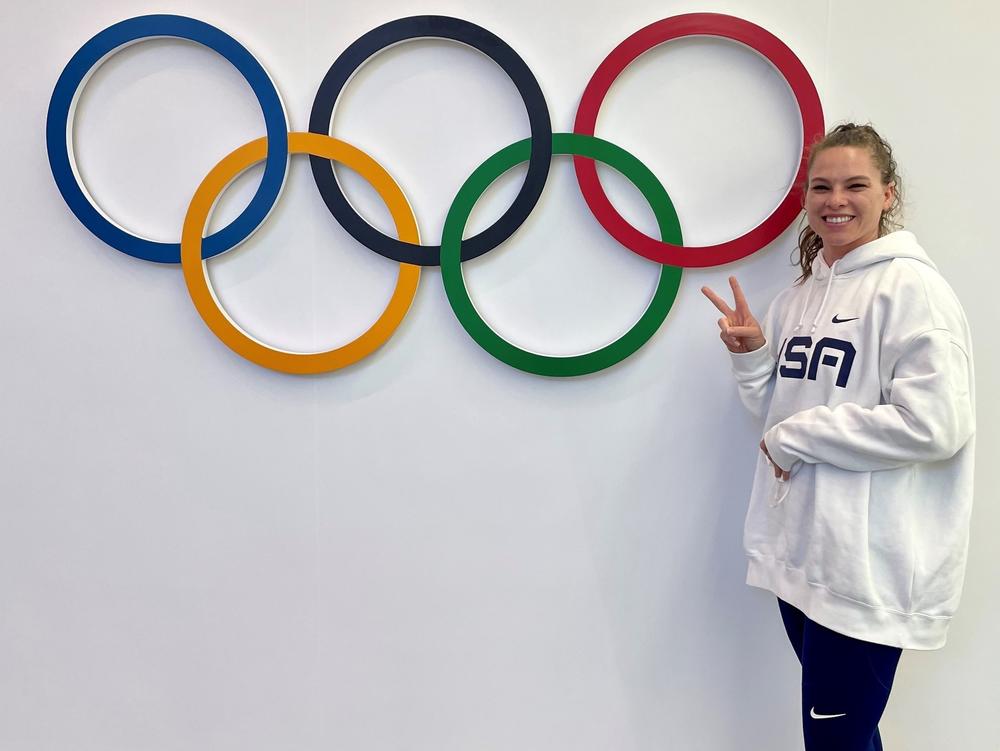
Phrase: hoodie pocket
x=841 y=542
x=891 y=555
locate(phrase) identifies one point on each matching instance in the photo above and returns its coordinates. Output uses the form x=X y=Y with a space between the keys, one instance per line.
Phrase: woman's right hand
x=740 y=330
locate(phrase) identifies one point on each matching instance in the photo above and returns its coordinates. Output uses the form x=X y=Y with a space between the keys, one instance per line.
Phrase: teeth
x=838 y=219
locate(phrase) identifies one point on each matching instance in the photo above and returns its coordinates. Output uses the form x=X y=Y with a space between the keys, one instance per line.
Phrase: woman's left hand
x=780 y=473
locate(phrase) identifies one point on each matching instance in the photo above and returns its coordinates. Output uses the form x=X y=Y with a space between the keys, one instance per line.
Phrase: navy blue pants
x=845 y=684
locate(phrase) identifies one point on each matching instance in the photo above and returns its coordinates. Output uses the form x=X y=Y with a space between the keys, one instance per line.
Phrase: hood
x=899 y=244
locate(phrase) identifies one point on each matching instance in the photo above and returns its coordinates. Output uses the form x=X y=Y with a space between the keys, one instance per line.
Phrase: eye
x=858 y=186
x=818 y=188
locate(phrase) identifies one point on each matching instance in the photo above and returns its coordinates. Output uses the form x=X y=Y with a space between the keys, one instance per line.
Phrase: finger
x=726 y=331
x=767 y=454
x=741 y=300
x=719 y=303
x=743 y=331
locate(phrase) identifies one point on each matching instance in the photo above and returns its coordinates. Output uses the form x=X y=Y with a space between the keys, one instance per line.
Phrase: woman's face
x=845 y=199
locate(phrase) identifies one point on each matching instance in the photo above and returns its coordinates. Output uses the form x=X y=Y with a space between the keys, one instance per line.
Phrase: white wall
x=431 y=550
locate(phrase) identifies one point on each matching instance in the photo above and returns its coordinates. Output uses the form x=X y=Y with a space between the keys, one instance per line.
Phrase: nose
x=836 y=197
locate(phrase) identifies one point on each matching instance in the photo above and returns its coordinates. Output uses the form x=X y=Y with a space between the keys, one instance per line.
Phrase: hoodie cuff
x=753 y=364
x=778 y=454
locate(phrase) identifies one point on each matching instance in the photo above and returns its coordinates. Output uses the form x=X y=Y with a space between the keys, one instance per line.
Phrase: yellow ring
x=196 y=269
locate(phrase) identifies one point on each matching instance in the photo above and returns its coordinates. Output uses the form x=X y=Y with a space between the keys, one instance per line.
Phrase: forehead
x=843 y=161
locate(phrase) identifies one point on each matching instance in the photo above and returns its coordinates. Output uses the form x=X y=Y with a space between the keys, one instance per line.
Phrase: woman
x=859 y=514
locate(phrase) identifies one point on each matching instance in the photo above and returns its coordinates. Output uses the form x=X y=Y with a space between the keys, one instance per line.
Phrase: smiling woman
x=862 y=371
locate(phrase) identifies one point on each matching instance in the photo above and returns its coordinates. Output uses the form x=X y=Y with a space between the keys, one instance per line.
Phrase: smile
x=837 y=219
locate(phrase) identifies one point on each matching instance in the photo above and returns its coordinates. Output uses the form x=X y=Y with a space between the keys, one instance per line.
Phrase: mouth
x=837 y=220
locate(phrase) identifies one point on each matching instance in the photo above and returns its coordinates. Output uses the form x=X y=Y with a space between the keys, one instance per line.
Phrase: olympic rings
x=503 y=55
x=196 y=271
x=705 y=24
x=58 y=133
x=451 y=266
x=275 y=148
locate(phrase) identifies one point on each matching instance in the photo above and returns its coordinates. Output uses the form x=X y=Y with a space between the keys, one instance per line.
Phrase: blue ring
x=181 y=27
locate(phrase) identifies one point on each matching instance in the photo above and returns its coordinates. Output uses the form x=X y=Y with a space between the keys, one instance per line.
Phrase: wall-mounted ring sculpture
x=200 y=287
x=533 y=362
x=698 y=24
x=441 y=27
x=274 y=149
x=59 y=133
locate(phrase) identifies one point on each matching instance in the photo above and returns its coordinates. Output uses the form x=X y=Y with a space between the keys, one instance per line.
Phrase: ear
x=888 y=195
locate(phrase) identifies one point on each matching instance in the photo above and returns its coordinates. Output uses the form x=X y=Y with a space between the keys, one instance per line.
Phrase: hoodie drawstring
x=822 y=304
x=809 y=292
x=780 y=482
x=826 y=296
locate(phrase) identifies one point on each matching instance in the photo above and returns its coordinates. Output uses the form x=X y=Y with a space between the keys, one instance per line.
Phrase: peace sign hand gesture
x=740 y=330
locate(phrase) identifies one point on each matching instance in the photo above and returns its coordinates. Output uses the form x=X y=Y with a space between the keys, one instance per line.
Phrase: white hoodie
x=866 y=382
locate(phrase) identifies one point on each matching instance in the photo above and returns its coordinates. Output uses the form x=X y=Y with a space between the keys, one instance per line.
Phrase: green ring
x=451 y=254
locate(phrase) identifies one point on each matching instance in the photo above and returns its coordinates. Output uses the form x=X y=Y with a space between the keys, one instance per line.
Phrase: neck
x=832 y=254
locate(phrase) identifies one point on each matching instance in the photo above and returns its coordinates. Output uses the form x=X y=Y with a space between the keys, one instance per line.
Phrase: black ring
x=443 y=27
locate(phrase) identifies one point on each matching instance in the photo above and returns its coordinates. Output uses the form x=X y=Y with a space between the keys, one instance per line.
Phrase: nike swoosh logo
x=812 y=713
x=843 y=320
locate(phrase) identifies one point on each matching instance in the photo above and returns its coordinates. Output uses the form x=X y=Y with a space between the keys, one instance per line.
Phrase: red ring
x=701 y=24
